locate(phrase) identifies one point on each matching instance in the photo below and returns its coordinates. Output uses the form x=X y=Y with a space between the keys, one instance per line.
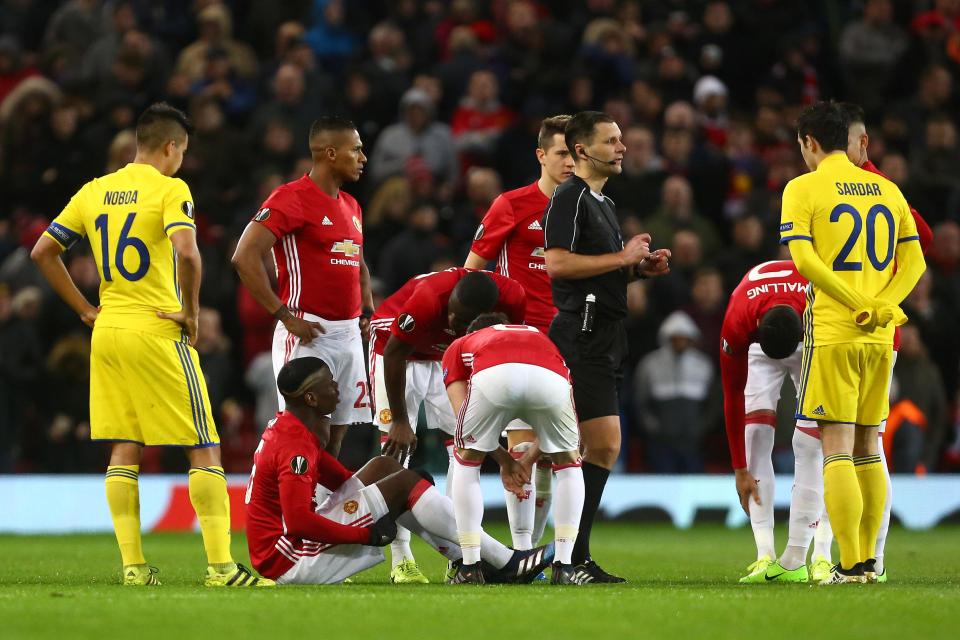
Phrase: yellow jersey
x=855 y=219
x=128 y=217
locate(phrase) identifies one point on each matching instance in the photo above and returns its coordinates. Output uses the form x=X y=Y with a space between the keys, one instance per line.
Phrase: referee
x=589 y=267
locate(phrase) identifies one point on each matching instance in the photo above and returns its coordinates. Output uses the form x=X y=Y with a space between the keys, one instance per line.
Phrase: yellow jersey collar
x=833 y=160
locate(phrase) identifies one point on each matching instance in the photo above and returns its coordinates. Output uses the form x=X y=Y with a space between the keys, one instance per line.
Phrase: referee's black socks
x=594 y=480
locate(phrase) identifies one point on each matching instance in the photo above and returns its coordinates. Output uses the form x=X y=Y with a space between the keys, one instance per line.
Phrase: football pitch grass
x=683 y=584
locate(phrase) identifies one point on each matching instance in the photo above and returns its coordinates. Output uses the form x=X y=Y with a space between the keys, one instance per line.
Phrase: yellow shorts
x=845 y=383
x=148 y=389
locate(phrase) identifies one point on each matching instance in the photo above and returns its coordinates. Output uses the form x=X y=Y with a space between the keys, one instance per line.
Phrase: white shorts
x=510 y=391
x=765 y=378
x=341 y=347
x=424 y=385
x=352 y=504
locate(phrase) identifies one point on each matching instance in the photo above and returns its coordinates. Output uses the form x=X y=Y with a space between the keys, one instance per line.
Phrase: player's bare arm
x=475 y=261
x=255 y=242
x=188 y=276
x=401 y=440
x=562 y=263
x=46 y=255
x=366 y=299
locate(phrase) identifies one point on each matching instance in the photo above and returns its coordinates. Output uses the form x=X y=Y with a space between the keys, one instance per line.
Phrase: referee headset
x=587 y=156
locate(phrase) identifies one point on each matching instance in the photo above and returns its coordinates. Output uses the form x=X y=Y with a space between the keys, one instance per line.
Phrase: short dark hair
x=477 y=291
x=292 y=375
x=780 y=331
x=549 y=128
x=330 y=123
x=827 y=123
x=854 y=112
x=580 y=128
x=160 y=124
x=485 y=320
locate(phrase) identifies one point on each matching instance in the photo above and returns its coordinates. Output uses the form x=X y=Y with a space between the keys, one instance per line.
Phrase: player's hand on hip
x=89 y=316
x=305 y=330
x=382 y=532
x=747 y=488
x=636 y=249
x=186 y=319
x=401 y=441
x=365 y=329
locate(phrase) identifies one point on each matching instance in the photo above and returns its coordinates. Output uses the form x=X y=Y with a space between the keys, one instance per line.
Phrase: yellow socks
x=873 y=488
x=123 y=497
x=841 y=493
x=208 y=494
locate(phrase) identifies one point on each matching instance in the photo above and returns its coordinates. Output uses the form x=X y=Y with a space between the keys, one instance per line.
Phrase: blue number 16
x=125 y=242
x=841 y=263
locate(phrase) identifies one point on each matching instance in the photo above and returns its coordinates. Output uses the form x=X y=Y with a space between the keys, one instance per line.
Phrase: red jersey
x=501 y=344
x=511 y=233
x=282 y=523
x=417 y=313
x=766 y=285
x=318 y=236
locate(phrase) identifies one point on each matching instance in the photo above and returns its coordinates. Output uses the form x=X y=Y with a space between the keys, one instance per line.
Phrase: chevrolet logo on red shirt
x=347 y=247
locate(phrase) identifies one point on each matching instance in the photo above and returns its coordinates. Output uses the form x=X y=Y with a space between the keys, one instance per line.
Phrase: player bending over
x=845 y=226
x=409 y=333
x=511 y=234
x=499 y=373
x=296 y=541
x=760 y=344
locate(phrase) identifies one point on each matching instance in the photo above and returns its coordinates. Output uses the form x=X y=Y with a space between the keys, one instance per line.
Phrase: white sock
x=432 y=518
x=400 y=547
x=885 y=523
x=443 y=545
x=806 y=499
x=759 y=448
x=544 y=497
x=569 y=507
x=468 y=510
x=521 y=512
x=823 y=538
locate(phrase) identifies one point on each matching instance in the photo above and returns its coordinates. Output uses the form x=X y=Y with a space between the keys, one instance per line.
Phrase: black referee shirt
x=581 y=222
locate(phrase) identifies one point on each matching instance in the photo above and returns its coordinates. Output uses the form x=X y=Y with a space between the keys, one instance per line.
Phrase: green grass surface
x=682 y=585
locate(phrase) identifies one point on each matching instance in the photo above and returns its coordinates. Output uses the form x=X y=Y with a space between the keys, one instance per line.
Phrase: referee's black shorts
x=595 y=361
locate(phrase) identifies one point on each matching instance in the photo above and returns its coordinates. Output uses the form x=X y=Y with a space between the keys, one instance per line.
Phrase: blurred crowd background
x=448 y=96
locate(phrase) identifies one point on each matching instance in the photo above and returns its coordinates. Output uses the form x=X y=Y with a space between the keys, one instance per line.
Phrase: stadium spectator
x=870 y=50
x=215 y=27
x=671 y=386
x=639 y=186
x=417 y=137
x=480 y=118
x=677 y=212
x=413 y=250
x=918 y=382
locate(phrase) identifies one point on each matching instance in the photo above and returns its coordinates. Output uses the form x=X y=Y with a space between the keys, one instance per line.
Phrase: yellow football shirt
x=128 y=217
x=855 y=219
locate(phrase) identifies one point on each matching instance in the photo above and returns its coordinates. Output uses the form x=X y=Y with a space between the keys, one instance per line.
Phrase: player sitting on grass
x=298 y=542
x=494 y=375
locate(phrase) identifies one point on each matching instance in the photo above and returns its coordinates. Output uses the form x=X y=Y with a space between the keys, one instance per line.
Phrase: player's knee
x=805 y=446
x=603 y=454
x=423 y=473
x=381 y=467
